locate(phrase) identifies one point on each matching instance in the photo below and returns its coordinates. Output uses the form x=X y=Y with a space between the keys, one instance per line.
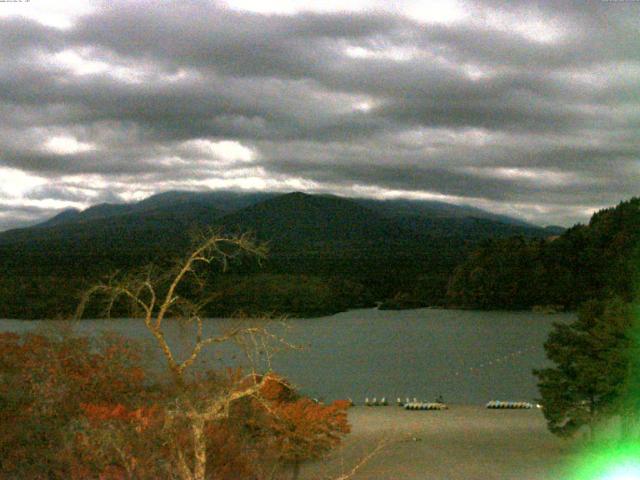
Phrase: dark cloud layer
x=528 y=108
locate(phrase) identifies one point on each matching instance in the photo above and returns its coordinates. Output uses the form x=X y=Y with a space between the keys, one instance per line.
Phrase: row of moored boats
x=415 y=404
x=517 y=405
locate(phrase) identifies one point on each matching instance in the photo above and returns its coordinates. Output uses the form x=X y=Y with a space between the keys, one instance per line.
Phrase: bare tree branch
x=158 y=297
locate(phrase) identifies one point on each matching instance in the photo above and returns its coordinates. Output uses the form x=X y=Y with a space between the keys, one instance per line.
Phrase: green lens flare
x=616 y=456
x=619 y=462
x=624 y=472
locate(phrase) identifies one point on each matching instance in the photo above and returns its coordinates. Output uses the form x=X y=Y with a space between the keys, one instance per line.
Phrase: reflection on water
x=465 y=356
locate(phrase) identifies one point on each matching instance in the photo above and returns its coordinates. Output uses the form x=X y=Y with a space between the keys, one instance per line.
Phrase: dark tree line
x=593 y=261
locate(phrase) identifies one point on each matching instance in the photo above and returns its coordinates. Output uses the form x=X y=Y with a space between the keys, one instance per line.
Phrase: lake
x=468 y=357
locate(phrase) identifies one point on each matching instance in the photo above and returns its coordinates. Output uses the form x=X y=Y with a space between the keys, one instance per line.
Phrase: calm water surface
x=466 y=356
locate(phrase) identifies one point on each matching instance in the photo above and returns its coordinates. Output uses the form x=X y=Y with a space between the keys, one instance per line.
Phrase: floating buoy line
x=502 y=359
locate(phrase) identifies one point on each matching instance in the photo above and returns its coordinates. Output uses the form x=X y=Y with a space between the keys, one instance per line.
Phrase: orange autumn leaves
x=304 y=430
x=300 y=428
x=73 y=408
x=141 y=418
x=43 y=381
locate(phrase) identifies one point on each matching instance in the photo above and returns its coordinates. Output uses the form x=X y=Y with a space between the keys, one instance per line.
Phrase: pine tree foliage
x=594 y=367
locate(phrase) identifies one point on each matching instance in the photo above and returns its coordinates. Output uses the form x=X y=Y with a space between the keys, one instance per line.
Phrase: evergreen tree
x=593 y=368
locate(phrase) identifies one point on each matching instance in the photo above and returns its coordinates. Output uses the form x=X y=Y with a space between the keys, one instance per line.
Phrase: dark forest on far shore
x=326 y=254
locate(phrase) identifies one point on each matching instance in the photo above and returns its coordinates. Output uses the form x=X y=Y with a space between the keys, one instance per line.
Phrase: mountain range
x=326 y=253
x=294 y=217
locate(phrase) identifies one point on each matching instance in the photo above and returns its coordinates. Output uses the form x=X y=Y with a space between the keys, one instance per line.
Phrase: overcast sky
x=525 y=108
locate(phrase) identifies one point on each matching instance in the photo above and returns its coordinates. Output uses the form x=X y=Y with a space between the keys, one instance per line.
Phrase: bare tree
x=179 y=295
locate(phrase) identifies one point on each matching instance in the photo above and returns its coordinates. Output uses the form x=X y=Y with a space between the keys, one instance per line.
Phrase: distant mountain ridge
x=223 y=201
x=299 y=218
x=295 y=217
x=433 y=209
x=326 y=253
x=230 y=201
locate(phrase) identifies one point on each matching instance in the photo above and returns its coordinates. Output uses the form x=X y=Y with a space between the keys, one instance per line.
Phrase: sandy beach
x=462 y=443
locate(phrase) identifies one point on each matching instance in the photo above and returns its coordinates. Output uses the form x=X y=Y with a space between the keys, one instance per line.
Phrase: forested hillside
x=585 y=262
x=326 y=253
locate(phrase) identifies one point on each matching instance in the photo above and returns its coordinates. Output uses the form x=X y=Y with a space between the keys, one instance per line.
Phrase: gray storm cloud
x=529 y=108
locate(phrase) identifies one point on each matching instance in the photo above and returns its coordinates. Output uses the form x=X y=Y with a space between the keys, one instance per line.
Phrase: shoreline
x=466 y=442
x=537 y=309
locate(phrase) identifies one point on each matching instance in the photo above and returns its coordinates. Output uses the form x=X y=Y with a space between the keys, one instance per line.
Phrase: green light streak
x=615 y=462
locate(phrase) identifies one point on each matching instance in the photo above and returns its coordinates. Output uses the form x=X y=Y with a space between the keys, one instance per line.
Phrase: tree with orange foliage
x=305 y=430
x=43 y=383
x=179 y=296
x=83 y=409
x=285 y=429
x=262 y=434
